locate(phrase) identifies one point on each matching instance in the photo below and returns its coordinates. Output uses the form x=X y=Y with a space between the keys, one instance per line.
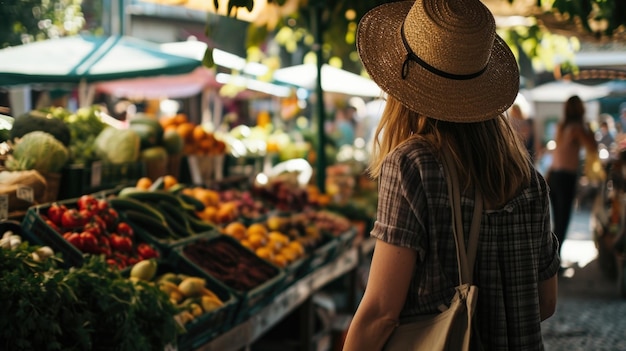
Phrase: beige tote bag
x=452 y=328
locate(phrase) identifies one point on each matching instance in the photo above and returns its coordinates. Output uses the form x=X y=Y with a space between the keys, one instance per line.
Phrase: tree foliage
x=536 y=41
x=25 y=21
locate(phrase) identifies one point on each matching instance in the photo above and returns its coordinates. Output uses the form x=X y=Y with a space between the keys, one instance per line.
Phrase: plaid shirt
x=516 y=249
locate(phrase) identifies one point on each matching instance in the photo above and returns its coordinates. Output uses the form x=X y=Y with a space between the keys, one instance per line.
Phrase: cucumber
x=175 y=219
x=156 y=196
x=154 y=227
x=190 y=200
x=177 y=188
x=198 y=225
x=123 y=204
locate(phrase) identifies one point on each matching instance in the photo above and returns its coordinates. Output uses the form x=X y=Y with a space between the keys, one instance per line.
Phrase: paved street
x=590 y=315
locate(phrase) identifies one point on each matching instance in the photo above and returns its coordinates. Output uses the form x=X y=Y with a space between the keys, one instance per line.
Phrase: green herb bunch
x=91 y=307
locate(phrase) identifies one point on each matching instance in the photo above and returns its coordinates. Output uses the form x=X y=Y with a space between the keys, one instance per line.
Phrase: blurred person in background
x=572 y=136
x=344 y=131
x=524 y=127
x=605 y=135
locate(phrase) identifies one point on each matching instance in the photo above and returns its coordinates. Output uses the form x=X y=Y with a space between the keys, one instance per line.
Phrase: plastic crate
x=251 y=300
x=346 y=240
x=79 y=179
x=38 y=232
x=207 y=326
x=296 y=270
x=324 y=253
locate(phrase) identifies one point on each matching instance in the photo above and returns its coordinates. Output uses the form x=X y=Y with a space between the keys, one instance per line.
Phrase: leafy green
x=117 y=145
x=84 y=127
x=38 y=150
x=90 y=307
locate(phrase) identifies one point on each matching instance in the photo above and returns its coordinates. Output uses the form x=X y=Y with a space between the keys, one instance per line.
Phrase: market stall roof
x=561 y=90
x=86 y=58
x=173 y=86
x=334 y=80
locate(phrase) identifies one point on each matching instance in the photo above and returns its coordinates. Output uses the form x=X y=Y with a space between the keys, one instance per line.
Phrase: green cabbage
x=37 y=150
x=117 y=145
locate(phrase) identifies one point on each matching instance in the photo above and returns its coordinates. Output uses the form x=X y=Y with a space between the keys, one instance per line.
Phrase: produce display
x=39 y=121
x=84 y=126
x=90 y=307
x=161 y=213
x=188 y=294
x=231 y=264
x=225 y=206
x=38 y=151
x=153 y=263
x=195 y=138
x=94 y=228
x=273 y=245
x=117 y=146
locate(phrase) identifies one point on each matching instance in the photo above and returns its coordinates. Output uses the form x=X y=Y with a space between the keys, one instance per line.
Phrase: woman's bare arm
x=377 y=315
x=547 y=297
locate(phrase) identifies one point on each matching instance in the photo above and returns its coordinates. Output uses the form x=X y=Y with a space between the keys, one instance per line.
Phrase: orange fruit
x=289 y=253
x=236 y=230
x=206 y=196
x=180 y=119
x=257 y=240
x=280 y=260
x=297 y=247
x=264 y=253
x=198 y=134
x=246 y=243
x=169 y=181
x=143 y=183
x=257 y=228
x=186 y=130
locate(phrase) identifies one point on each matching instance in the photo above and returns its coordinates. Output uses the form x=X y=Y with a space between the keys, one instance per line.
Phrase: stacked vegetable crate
x=206 y=309
x=86 y=226
x=226 y=262
x=86 y=178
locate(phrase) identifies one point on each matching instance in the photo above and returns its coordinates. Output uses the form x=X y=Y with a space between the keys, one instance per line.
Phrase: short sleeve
x=549 y=260
x=401 y=205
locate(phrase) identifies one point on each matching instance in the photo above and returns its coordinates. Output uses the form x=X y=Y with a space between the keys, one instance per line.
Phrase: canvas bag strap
x=465 y=259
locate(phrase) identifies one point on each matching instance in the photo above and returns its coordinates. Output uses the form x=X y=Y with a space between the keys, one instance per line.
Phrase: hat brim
x=478 y=99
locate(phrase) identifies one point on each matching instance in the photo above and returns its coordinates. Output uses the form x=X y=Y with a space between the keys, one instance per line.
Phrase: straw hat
x=458 y=69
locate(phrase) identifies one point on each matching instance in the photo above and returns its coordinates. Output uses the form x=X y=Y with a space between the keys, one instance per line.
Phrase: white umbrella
x=334 y=80
x=561 y=90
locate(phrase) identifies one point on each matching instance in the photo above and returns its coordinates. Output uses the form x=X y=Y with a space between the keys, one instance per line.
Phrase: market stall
x=258 y=250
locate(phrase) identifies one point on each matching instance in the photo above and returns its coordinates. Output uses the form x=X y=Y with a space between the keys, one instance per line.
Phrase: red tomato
x=124 y=229
x=72 y=218
x=89 y=242
x=76 y=240
x=88 y=203
x=55 y=212
x=103 y=205
x=146 y=251
x=93 y=227
x=53 y=225
x=121 y=243
x=110 y=217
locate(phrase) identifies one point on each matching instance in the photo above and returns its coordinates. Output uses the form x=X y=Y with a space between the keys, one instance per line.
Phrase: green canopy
x=84 y=59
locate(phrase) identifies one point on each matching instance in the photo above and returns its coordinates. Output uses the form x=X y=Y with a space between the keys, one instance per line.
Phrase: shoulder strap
x=465 y=259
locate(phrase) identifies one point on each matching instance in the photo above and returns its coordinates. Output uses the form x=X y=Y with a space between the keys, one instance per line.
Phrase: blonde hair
x=488 y=151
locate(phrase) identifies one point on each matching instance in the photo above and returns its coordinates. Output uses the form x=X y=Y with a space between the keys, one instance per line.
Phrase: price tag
x=4 y=207
x=96 y=174
x=25 y=193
